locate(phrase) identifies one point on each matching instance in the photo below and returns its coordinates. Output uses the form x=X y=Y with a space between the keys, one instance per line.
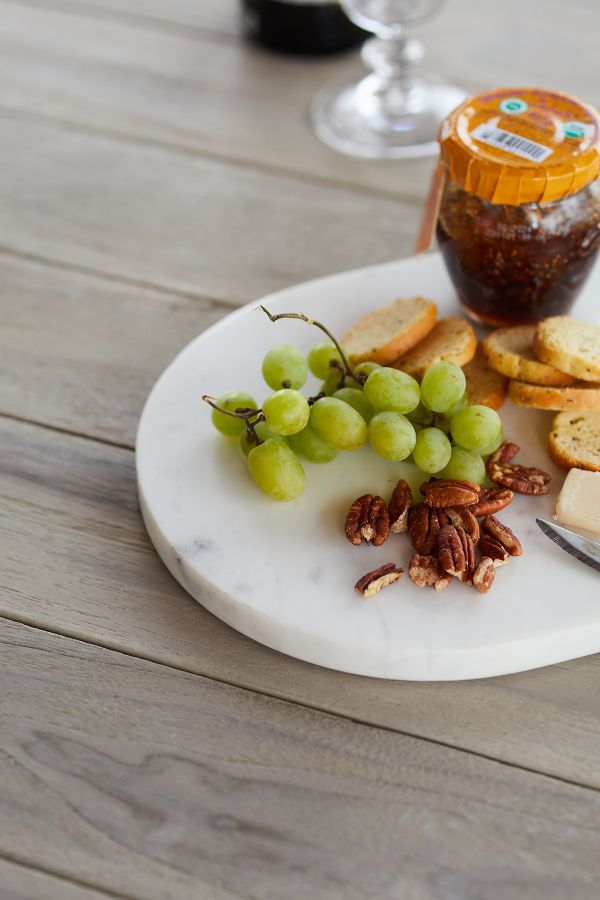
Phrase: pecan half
x=444 y=493
x=503 y=534
x=484 y=574
x=424 y=524
x=492 y=548
x=398 y=507
x=463 y=516
x=491 y=501
x=456 y=552
x=374 y=581
x=368 y=520
x=505 y=452
x=425 y=571
x=521 y=479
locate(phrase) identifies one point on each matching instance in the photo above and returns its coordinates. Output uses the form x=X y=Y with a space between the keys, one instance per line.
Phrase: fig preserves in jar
x=519 y=215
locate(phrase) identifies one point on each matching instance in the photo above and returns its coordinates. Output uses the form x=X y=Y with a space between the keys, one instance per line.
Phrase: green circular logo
x=575 y=129
x=513 y=106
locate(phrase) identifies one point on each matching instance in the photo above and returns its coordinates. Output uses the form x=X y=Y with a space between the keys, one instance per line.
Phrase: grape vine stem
x=242 y=412
x=275 y=316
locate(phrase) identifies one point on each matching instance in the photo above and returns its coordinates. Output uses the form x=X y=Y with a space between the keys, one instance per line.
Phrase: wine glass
x=392 y=112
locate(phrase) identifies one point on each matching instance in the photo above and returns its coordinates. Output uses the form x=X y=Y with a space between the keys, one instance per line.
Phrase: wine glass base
x=342 y=121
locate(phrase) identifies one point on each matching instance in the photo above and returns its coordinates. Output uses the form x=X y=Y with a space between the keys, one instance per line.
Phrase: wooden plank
x=230 y=100
x=96 y=577
x=475 y=44
x=81 y=353
x=239 y=102
x=160 y=784
x=191 y=224
x=221 y=17
x=21 y=883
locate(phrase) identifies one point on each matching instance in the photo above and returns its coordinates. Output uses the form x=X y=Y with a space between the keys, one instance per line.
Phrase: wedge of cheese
x=578 y=504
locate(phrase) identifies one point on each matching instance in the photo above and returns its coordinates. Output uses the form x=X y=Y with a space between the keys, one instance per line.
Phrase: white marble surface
x=284 y=573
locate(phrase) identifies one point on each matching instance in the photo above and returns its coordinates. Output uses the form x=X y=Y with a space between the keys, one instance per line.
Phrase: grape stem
x=274 y=317
x=249 y=415
x=242 y=412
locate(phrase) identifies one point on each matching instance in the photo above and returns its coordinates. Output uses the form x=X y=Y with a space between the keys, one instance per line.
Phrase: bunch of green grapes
x=429 y=423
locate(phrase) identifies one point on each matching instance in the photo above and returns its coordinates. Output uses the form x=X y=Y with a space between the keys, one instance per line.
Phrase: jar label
x=511 y=143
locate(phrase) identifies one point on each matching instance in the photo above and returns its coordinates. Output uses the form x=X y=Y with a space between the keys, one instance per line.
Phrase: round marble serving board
x=283 y=573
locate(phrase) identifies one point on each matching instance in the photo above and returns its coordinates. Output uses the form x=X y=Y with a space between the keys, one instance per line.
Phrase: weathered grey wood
x=187 y=91
x=192 y=224
x=221 y=17
x=477 y=43
x=23 y=883
x=82 y=353
x=76 y=560
x=160 y=784
x=183 y=91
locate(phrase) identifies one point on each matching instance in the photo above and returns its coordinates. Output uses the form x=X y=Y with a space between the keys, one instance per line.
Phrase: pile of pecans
x=444 y=528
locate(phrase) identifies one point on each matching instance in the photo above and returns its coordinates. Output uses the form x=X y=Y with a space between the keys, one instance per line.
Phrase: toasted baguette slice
x=569 y=345
x=510 y=351
x=452 y=339
x=574 y=440
x=384 y=334
x=582 y=396
x=485 y=386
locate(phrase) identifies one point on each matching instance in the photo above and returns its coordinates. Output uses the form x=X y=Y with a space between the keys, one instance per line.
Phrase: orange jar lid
x=521 y=145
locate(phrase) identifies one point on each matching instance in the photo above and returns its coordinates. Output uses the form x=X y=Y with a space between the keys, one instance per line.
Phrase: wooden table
x=156 y=172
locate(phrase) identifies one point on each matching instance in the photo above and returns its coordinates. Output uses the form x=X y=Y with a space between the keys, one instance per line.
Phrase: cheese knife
x=582 y=548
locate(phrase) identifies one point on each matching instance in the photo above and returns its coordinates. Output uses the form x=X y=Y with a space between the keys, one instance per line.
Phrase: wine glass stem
x=391 y=59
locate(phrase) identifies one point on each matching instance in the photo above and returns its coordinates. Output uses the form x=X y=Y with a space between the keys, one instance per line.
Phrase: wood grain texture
x=219 y=17
x=196 y=225
x=81 y=353
x=475 y=44
x=163 y=785
x=95 y=576
x=23 y=883
x=230 y=100
x=243 y=103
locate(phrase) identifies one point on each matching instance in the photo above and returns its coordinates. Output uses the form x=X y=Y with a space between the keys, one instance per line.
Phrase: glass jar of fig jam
x=519 y=215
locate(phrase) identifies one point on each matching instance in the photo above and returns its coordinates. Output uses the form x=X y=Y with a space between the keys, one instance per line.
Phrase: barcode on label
x=512 y=143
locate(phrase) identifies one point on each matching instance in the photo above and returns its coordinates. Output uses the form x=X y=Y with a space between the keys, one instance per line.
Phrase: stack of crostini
x=408 y=335
x=555 y=365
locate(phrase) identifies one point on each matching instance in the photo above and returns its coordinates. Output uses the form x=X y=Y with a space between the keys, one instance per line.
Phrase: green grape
x=486 y=452
x=285 y=367
x=276 y=470
x=420 y=415
x=444 y=420
x=286 y=411
x=475 y=427
x=442 y=386
x=365 y=368
x=263 y=431
x=335 y=380
x=391 y=435
x=390 y=390
x=357 y=400
x=307 y=444
x=465 y=465
x=320 y=358
x=231 y=401
x=431 y=451
x=338 y=424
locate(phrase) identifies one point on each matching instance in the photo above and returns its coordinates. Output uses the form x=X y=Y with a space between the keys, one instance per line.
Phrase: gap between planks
x=65 y=882
x=174 y=148
x=115 y=646
x=117 y=278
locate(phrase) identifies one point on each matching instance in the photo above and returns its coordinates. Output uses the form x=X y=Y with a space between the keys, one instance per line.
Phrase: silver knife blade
x=584 y=549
